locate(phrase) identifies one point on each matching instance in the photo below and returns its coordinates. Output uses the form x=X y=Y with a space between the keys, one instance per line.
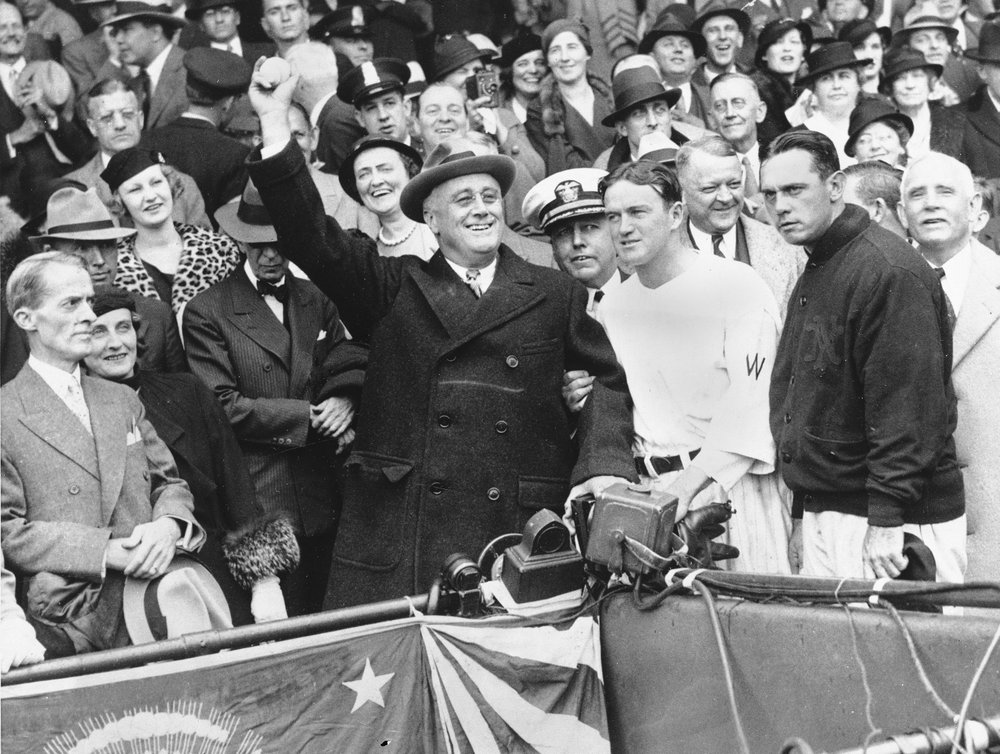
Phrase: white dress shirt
x=486 y=274
x=62 y=383
x=234 y=46
x=155 y=68
x=957 y=271
x=276 y=307
x=703 y=241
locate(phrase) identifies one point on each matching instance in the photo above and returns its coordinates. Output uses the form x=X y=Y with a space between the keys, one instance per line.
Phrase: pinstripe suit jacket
x=266 y=377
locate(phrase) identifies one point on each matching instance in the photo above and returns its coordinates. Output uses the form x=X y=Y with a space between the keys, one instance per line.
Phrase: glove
x=267 y=603
x=19 y=647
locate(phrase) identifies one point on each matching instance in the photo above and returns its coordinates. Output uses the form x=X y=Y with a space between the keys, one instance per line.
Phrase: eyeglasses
x=126 y=115
x=466 y=200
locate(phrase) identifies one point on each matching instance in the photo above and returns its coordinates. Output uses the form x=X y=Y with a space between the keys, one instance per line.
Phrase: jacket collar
x=845 y=227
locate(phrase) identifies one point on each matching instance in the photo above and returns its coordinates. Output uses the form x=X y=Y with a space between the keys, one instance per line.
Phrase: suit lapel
x=981 y=304
x=167 y=88
x=47 y=417
x=111 y=426
x=253 y=318
x=304 y=326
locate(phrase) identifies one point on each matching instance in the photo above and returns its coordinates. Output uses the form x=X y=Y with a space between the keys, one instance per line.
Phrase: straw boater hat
x=562 y=196
x=247 y=220
x=77 y=215
x=346 y=170
x=454 y=158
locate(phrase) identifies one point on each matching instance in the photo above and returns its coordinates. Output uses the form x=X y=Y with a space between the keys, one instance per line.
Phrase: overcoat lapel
x=254 y=319
x=47 y=417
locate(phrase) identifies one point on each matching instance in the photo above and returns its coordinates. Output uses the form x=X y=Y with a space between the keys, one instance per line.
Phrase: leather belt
x=656 y=465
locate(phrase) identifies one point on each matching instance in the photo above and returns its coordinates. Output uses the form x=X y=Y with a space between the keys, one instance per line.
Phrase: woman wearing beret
x=564 y=122
x=163 y=260
x=781 y=50
x=374 y=174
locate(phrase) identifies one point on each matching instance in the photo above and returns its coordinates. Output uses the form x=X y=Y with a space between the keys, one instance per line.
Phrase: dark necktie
x=280 y=292
x=947 y=301
x=144 y=88
x=472 y=280
x=717 y=245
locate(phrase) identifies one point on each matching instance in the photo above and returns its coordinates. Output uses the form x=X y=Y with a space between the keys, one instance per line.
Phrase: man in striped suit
x=274 y=351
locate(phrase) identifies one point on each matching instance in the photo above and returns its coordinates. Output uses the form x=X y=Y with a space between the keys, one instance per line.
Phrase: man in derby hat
x=463 y=433
x=274 y=351
x=677 y=49
x=981 y=143
x=725 y=31
x=77 y=223
x=220 y=20
x=143 y=32
x=39 y=143
x=642 y=105
x=377 y=91
x=80 y=456
x=193 y=142
x=347 y=30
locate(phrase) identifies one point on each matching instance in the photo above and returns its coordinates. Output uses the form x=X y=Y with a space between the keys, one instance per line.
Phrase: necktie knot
x=280 y=292
x=472 y=280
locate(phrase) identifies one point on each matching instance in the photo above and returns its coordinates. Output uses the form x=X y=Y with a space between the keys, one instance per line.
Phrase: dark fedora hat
x=989 y=45
x=346 y=171
x=902 y=59
x=454 y=52
x=742 y=19
x=454 y=158
x=247 y=220
x=775 y=30
x=196 y=8
x=869 y=111
x=832 y=57
x=668 y=24
x=857 y=31
x=635 y=86
x=126 y=10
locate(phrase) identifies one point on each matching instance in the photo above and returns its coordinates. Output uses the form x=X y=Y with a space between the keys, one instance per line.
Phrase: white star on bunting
x=368 y=687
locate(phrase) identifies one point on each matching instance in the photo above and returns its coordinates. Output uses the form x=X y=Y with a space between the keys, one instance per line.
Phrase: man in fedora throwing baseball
x=462 y=431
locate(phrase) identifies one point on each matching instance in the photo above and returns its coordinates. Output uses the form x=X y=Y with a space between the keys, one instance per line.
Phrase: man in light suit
x=90 y=494
x=143 y=33
x=115 y=119
x=276 y=355
x=938 y=206
x=712 y=184
x=84 y=57
x=463 y=433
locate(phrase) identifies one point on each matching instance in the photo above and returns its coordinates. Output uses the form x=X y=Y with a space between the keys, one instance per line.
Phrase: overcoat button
x=493 y=494
x=803 y=301
x=788 y=418
x=501 y=427
x=512 y=361
x=444 y=421
x=267 y=367
x=74 y=489
x=436 y=488
x=450 y=358
x=786 y=457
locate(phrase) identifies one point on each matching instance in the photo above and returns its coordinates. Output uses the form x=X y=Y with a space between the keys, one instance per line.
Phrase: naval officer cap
x=371 y=79
x=217 y=70
x=564 y=195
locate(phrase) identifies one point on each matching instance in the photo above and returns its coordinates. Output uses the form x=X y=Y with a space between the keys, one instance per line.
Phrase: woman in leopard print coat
x=163 y=260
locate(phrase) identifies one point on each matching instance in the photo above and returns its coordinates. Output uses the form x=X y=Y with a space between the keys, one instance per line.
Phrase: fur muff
x=261 y=549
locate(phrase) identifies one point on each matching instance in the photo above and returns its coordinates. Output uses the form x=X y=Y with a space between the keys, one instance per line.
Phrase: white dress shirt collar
x=155 y=68
x=486 y=274
x=276 y=307
x=957 y=271
x=58 y=379
x=234 y=46
x=703 y=241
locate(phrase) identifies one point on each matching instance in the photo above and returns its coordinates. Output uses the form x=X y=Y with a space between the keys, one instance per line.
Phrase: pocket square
x=322 y=334
x=133 y=436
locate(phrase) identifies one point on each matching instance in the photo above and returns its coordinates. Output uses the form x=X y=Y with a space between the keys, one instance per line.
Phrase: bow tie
x=280 y=292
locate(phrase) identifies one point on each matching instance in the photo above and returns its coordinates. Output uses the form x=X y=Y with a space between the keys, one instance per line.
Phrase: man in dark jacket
x=862 y=405
x=463 y=434
x=982 y=130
